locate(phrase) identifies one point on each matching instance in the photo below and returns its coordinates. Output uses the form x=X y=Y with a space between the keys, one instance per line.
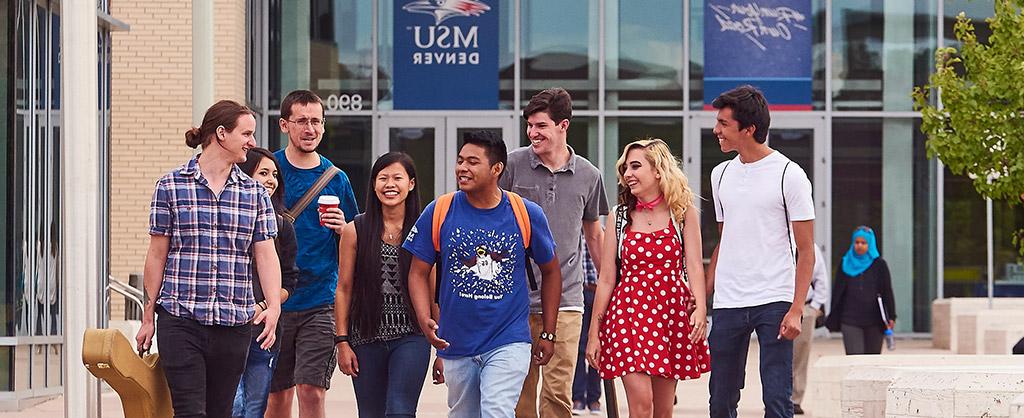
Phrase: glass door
x=433 y=143
x=801 y=138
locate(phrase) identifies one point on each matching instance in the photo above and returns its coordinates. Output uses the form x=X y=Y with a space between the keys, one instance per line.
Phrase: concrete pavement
x=693 y=395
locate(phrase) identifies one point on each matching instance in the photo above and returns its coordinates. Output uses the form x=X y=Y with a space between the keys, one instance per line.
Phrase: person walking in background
x=586 y=384
x=208 y=223
x=307 y=350
x=817 y=302
x=254 y=387
x=763 y=204
x=863 y=278
x=641 y=330
x=379 y=343
x=569 y=189
x=482 y=242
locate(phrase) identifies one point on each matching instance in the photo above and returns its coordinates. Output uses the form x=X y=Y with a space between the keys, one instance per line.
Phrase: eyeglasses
x=316 y=123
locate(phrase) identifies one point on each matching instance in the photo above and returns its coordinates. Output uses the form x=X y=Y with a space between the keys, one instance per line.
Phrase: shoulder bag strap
x=785 y=209
x=313 y=191
x=682 y=246
x=620 y=232
x=719 y=187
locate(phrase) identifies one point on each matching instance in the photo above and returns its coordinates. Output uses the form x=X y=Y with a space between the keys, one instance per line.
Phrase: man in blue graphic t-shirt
x=483 y=334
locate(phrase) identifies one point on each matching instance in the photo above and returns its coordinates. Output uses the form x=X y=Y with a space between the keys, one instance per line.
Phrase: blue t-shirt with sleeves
x=484 y=293
x=317 y=256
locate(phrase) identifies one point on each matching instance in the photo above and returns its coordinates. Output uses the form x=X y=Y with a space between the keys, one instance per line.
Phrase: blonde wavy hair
x=673 y=183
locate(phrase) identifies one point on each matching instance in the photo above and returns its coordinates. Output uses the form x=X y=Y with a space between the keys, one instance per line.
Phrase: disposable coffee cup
x=326 y=202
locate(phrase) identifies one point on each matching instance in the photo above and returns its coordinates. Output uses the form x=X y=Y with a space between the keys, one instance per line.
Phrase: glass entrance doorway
x=801 y=138
x=433 y=143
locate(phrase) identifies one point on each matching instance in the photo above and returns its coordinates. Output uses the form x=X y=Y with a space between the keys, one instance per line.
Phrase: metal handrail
x=130 y=293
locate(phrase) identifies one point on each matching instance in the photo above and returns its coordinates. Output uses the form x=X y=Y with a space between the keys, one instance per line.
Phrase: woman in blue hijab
x=863 y=278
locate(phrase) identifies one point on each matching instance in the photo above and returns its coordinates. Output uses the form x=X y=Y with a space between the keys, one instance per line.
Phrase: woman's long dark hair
x=252 y=160
x=367 y=298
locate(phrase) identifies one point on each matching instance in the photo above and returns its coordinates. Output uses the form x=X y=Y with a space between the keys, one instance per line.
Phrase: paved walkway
x=693 y=395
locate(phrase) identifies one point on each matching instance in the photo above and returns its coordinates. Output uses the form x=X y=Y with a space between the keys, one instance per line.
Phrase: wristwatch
x=547 y=336
x=340 y=339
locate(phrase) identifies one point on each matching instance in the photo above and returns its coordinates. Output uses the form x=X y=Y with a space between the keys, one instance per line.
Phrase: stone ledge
x=955 y=392
x=1017 y=407
x=989 y=320
x=826 y=390
x=945 y=311
x=1001 y=341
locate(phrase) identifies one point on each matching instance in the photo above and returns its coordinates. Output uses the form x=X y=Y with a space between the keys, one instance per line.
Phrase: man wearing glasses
x=307 y=357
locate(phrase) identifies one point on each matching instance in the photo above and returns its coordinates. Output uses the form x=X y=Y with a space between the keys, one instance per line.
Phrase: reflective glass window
x=559 y=46
x=881 y=49
x=644 y=54
x=348 y=144
x=325 y=46
x=819 y=54
x=882 y=178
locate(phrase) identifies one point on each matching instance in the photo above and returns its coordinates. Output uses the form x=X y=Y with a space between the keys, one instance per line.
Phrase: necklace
x=391 y=232
x=642 y=206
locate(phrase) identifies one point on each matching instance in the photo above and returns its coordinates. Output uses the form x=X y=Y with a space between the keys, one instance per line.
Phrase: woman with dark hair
x=379 y=343
x=859 y=284
x=209 y=223
x=251 y=396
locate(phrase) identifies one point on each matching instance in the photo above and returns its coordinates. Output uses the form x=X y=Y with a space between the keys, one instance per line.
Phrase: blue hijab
x=854 y=264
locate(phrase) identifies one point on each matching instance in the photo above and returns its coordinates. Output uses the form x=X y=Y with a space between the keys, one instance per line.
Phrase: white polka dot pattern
x=647 y=328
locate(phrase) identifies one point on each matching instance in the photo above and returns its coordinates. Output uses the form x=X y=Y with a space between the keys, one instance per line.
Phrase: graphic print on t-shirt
x=480 y=263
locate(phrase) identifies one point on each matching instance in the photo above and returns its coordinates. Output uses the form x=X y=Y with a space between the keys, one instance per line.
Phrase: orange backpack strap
x=441 y=206
x=523 y=220
x=522 y=217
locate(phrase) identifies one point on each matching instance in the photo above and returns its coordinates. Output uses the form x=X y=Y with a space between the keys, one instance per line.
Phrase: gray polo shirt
x=570 y=195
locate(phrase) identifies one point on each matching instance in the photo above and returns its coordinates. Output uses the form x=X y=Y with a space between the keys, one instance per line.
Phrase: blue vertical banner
x=765 y=43
x=446 y=54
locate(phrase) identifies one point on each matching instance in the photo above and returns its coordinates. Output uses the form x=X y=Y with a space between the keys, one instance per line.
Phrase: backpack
x=444 y=203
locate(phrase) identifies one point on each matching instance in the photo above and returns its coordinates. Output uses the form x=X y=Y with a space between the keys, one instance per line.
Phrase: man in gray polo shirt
x=570 y=190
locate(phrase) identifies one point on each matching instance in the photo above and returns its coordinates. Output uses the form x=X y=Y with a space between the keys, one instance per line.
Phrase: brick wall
x=151 y=107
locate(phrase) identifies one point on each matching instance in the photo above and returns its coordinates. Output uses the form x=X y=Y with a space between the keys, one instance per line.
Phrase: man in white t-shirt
x=764 y=206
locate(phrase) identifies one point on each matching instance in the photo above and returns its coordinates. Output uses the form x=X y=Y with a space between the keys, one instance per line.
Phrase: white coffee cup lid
x=328 y=200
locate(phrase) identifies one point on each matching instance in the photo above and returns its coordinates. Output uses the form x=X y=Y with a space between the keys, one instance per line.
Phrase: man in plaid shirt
x=208 y=222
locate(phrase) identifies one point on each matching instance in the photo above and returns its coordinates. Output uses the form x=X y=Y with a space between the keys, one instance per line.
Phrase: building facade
x=635 y=69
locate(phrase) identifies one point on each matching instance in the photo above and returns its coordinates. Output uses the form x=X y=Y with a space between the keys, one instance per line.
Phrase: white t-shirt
x=755 y=256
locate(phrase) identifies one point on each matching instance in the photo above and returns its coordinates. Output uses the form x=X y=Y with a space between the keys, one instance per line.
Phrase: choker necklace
x=649 y=206
x=641 y=205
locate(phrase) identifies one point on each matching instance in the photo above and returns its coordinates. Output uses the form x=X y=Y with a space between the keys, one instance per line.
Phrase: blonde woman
x=641 y=331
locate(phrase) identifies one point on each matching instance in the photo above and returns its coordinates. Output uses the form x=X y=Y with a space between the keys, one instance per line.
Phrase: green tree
x=979 y=129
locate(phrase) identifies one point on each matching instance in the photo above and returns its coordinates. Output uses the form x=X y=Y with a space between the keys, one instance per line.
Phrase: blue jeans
x=586 y=385
x=730 y=339
x=251 y=395
x=487 y=385
x=391 y=375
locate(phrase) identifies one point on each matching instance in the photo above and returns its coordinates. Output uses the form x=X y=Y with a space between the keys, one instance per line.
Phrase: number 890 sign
x=352 y=102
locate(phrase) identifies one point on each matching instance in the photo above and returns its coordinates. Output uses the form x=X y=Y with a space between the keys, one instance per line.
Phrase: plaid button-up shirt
x=208 y=273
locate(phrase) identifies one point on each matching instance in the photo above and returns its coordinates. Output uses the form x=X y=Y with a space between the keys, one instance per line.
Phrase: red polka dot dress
x=646 y=328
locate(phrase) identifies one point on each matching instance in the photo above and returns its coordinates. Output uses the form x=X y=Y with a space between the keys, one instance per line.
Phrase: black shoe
x=797 y=409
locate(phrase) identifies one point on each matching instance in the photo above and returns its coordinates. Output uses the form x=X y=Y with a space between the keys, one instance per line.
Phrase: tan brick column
x=151 y=102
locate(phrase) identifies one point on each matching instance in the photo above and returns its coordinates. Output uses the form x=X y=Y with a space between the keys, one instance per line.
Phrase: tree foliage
x=979 y=129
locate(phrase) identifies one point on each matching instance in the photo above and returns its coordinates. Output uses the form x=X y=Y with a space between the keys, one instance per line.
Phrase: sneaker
x=797 y=410
x=578 y=408
x=595 y=408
